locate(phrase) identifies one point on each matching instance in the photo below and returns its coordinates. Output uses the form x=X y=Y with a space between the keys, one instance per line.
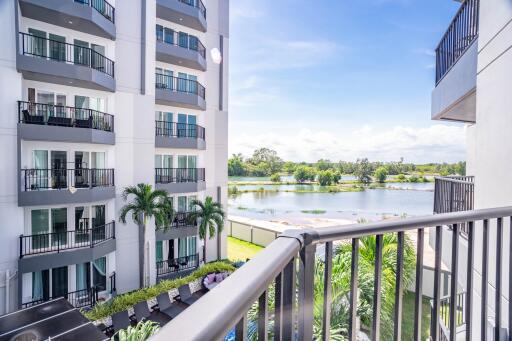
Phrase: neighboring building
x=97 y=96
x=473 y=82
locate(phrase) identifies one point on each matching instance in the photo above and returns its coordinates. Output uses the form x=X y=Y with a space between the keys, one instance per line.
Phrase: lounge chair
x=141 y=310
x=32 y=119
x=59 y=121
x=186 y=296
x=120 y=320
x=83 y=123
x=165 y=306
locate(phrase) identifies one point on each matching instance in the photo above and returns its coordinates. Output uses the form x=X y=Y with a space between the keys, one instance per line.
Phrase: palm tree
x=146 y=203
x=211 y=216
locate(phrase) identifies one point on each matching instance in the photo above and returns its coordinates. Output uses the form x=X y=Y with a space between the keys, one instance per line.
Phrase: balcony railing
x=47 y=179
x=79 y=299
x=181 y=39
x=183 y=219
x=63 y=116
x=102 y=6
x=184 y=130
x=177 y=264
x=197 y=4
x=176 y=175
x=32 y=45
x=444 y=314
x=66 y=240
x=461 y=33
x=454 y=194
x=177 y=84
x=295 y=315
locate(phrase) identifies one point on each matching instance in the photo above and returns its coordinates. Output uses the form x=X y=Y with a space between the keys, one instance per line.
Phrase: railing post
x=306 y=283
x=21 y=246
x=288 y=281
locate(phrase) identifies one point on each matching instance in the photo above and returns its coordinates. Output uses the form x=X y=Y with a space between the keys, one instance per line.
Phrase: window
x=168 y=35
x=83 y=276
x=41 y=285
x=159 y=33
x=37 y=44
x=59 y=281
x=187 y=246
x=47 y=221
x=99 y=273
x=57 y=47
x=81 y=52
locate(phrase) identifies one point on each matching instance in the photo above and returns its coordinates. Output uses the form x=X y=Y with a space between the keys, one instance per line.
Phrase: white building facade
x=98 y=96
x=474 y=69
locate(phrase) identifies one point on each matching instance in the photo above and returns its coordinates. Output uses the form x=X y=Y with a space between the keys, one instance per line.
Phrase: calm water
x=412 y=200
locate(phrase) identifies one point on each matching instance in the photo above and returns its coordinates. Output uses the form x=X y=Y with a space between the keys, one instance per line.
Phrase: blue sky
x=338 y=79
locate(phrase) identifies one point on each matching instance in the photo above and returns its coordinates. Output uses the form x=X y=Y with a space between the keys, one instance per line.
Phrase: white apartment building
x=473 y=82
x=97 y=96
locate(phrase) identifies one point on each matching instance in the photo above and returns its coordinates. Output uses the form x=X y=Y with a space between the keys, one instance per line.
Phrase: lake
x=411 y=199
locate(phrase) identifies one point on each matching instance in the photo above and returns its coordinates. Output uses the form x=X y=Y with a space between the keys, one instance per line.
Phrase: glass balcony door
x=41 y=285
x=39 y=178
x=82 y=225
x=60 y=282
x=58 y=162
x=182 y=125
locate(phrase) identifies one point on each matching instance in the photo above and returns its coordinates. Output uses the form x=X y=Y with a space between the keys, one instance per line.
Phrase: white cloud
x=435 y=143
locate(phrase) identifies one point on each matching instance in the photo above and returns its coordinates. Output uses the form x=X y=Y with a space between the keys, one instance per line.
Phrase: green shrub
x=304 y=173
x=275 y=177
x=413 y=178
x=401 y=177
x=325 y=177
x=124 y=301
x=141 y=332
x=381 y=174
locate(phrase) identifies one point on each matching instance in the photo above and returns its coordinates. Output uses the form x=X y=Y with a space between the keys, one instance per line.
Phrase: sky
x=338 y=79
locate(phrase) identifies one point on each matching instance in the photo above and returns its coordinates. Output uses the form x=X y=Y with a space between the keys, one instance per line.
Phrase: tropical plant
x=141 y=332
x=381 y=174
x=325 y=177
x=146 y=203
x=236 y=165
x=363 y=171
x=211 y=217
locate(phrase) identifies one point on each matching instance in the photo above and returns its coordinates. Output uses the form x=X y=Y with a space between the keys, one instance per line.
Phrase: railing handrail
x=176 y=41
x=172 y=265
x=108 y=68
x=26 y=241
x=199 y=5
x=450 y=40
x=41 y=178
x=470 y=180
x=235 y=295
x=105 y=13
x=166 y=128
x=90 y=293
x=173 y=85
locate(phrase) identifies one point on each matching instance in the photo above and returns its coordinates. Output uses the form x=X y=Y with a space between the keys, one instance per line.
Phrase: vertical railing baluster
x=485 y=256
x=499 y=245
x=288 y=325
x=469 y=293
x=418 y=296
x=454 y=282
x=326 y=317
x=376 y=289
x=241 y=329
x=437 y=284
x=354 y=283
x=306 y=287
x=399 y=286
x=263 y=317
x=278 y=308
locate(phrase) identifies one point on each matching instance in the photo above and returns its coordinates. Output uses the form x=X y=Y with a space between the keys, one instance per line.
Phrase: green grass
x=408 y=317
x=124 y=301
x=314 y=211
x=241 y=250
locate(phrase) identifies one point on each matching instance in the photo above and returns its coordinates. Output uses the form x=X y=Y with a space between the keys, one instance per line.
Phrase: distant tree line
x=266 y=162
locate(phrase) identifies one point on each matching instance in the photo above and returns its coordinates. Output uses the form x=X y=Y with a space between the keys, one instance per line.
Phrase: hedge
x=125 y=301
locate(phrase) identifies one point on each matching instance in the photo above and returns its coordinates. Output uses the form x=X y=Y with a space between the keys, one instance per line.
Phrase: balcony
x=48 y=122
x=52 y=61
x=179 y=92
x=176 y=267
x=454 y=97
x=181 y=49
x=190 y=13
x=180 y=180
x=293 y=275
x=95 y=17
x=65 y=186
x=183 y=225
x=179 y=135
x=79 y=299
x=51 y=250
x=454 y=194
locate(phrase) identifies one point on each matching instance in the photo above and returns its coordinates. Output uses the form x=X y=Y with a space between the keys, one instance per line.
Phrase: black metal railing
x=35 y=46
x=64 y=116
x=197 y=4
x=180 y=39
x=177 y=84
x=36 y=244
x=113 y=288
x=454 y=194
x=183 y=219
x=173 y=129
x=176 y=175
x=79 y=299
x=177 y=264
x=444 y=313
x=46 y=179
x=102 y=6
x=461 y=33
x=297 y=268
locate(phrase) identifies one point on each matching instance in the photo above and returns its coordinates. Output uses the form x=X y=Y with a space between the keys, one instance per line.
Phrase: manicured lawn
x=408 y=318
x=241 y=250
